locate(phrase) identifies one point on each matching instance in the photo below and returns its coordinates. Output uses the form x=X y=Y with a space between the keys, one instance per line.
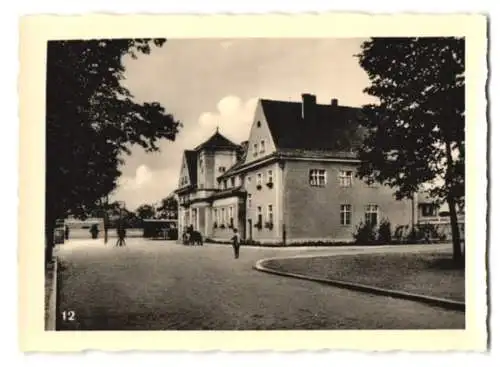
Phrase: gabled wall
x=184 y=174
x=259 y=132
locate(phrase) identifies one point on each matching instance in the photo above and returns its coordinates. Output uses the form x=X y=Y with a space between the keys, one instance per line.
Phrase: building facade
x=438 y=216
x=293 y=180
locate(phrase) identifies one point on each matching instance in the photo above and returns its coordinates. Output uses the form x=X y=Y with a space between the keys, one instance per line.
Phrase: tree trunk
x=455 y=233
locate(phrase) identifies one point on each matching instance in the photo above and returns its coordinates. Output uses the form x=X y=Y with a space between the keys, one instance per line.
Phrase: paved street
x=157 y=285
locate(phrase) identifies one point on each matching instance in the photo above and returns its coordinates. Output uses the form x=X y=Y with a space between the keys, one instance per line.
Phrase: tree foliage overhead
x=420 y=85
x=416 y=133
x=93 y=120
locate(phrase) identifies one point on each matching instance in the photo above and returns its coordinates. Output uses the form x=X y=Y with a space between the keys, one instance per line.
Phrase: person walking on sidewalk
x=121 y=232
x=236 y=243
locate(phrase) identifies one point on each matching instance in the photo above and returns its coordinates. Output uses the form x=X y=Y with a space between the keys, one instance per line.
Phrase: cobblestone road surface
x=158 y=285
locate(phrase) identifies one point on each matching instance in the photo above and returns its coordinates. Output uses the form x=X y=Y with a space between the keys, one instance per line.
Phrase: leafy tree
x=92 y=120
x=145 y=211
x=416 y=133
x=131 y=219
x=168 y=208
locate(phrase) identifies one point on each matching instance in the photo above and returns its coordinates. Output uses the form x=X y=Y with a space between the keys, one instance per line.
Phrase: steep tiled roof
x=191 y=163
x=335 y=128
x=217 y=141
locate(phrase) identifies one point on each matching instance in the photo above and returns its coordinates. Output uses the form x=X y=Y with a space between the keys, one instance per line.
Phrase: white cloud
x=146 y=187
x=233 y=118
x=143 y=176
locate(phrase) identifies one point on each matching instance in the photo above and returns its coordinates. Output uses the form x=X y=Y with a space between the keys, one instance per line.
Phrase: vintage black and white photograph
x=271 y=186
x=255 y=184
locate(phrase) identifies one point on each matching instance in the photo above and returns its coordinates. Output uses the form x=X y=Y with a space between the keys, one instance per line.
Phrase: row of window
x=269 y=178
x=269 y=215
x=230 y=183
x=184 y=180
x=236 y=181
x=259 y=149
x=371 y=214
x=318 y=177
x=224 y=216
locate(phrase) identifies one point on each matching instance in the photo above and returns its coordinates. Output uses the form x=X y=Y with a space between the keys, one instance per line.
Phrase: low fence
x=85 y=233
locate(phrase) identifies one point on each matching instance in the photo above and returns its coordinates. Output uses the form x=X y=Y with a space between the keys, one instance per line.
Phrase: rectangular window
x=222 y=169
x=231 y=220
x=262 y=146
x=255 y=150
x=270 y=213
x=345 y=214
x=371 y=214
x=223 y=216
x=270 y=176
x=428 y=210
x=259 y=215
x=233 y=181
x=249 y=180
x=225 y=184
x=249 y=200
x=345 y=178
x=317 y=177
x=216 y=219
x=259 y=178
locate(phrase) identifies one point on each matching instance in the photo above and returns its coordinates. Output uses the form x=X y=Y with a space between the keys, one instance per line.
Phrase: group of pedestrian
x=94 y=232
x=120 y=231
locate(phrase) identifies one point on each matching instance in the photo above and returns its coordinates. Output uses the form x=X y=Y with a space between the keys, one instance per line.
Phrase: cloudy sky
x=207 y=83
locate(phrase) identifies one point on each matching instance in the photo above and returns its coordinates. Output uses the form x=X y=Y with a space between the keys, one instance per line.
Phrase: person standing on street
x=236 y=243
x=121 y=232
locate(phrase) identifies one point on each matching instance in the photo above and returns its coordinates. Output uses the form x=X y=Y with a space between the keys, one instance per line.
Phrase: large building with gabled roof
x=292 y=181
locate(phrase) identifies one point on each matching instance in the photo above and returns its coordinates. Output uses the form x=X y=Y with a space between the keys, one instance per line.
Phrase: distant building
x=429 y=212
x=293 y=180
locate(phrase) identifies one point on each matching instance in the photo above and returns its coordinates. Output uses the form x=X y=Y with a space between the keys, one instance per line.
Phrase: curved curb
x=433 y=301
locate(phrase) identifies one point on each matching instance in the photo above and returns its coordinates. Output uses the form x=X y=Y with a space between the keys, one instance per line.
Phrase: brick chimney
x=308 y=107
x=335 y=102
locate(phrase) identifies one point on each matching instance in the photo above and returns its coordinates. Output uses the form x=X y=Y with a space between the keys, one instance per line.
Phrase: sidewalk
x=50 y=295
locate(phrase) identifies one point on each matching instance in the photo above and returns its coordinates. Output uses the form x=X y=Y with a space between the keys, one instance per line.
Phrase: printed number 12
x=68 y=315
